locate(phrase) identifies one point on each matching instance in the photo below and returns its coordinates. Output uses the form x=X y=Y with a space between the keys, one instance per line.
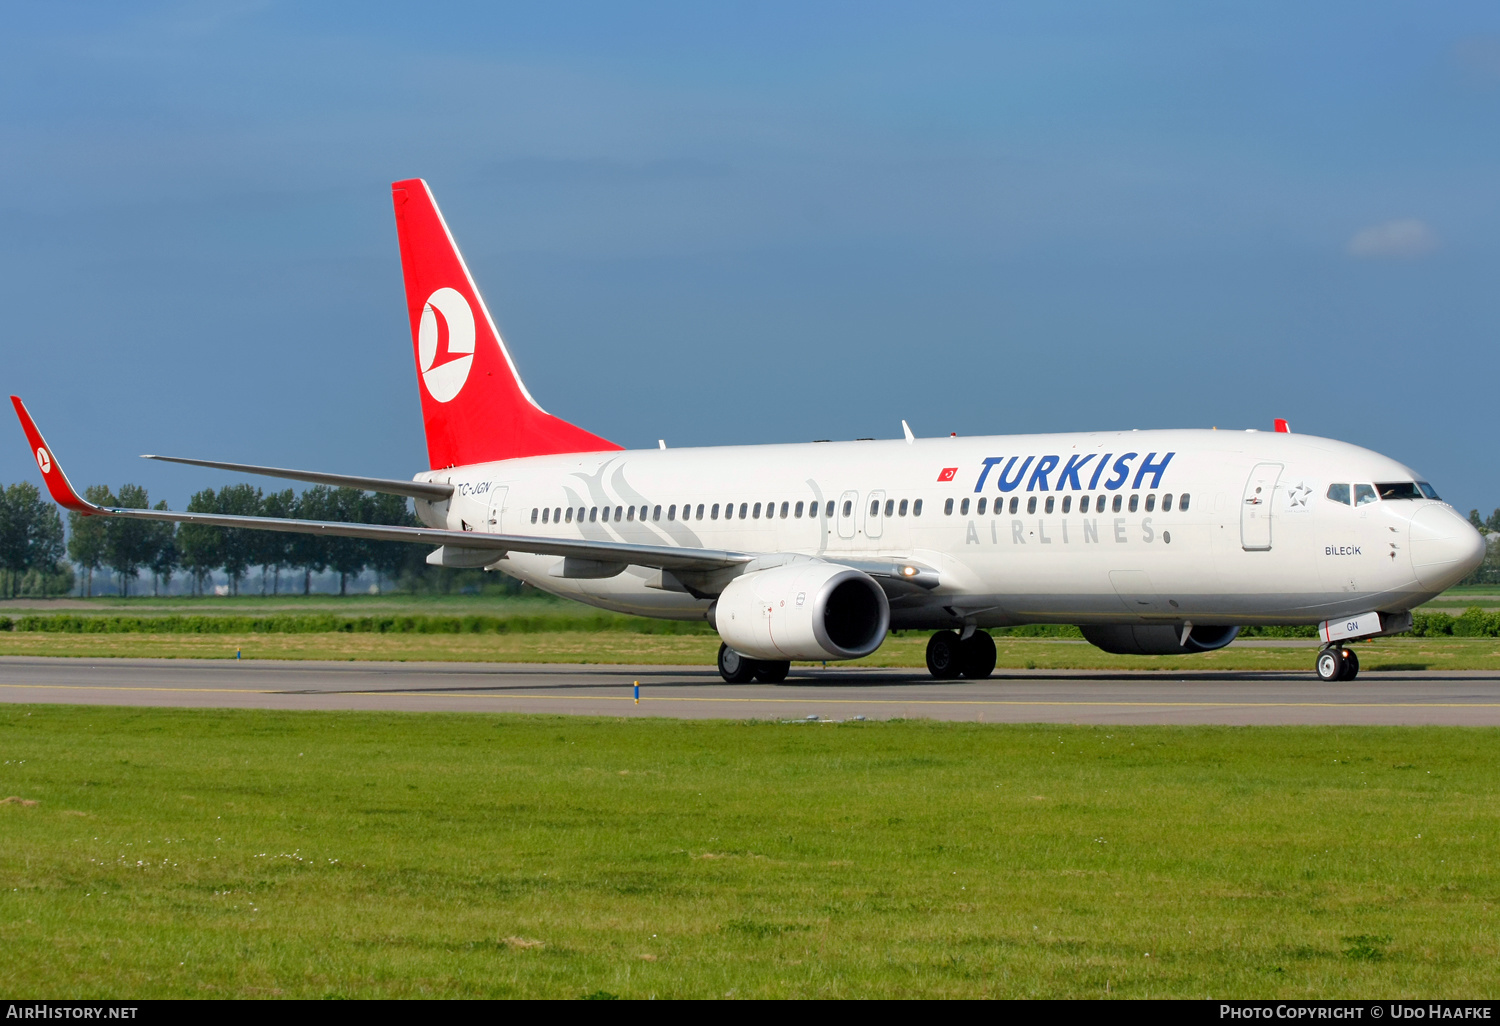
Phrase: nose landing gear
x=1337 y=663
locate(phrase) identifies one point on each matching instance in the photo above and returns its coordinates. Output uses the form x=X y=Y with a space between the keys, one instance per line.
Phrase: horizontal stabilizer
x=432 y=491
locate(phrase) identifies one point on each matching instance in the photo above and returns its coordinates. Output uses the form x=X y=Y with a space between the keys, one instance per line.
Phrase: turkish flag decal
x=947 y=474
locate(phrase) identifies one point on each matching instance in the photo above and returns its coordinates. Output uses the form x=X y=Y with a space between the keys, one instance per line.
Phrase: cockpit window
x=1363 y=494
x=1428 y=490
x=1398 y=490
x=1339 y=493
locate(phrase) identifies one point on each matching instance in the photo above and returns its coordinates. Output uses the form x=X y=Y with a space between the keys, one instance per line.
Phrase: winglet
x=57 y=482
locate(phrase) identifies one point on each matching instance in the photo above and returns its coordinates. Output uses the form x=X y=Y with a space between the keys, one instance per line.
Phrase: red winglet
x=57 y=481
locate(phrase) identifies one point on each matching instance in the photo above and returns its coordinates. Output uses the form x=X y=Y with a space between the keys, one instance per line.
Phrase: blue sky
x=737 y=223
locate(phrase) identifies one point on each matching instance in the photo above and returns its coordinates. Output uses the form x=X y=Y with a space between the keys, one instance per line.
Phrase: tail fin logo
x=44 y=459
x=445 y=343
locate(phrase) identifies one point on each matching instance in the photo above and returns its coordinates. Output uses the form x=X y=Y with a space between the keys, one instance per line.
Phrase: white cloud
x=1407 y=237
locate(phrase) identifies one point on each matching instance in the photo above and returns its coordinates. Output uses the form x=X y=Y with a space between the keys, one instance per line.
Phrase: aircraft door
x=847 y=512
x=496 y=509
x=1255 y=510
x=874 y=515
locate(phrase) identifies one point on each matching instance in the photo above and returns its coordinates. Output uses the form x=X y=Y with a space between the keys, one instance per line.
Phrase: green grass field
x=166 y=853
x=908 y=650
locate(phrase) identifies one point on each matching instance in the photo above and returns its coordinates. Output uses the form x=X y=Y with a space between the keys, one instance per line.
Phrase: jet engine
x=802 y=611
x=1123 y=639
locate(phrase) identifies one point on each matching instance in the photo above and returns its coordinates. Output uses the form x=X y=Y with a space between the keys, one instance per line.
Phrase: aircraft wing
x=664 y=557
x=432 y=491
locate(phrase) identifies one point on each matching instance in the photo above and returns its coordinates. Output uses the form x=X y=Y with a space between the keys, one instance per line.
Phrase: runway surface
x=1466 y=698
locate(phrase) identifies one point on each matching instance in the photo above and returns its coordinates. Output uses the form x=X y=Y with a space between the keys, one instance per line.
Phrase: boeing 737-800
x=1153 y=542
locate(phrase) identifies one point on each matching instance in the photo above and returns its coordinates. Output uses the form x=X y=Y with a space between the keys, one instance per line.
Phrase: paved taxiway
x=1470 y=698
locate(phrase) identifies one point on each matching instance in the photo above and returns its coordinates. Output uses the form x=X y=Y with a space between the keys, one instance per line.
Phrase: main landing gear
x=738 y=669
x=1337 y=663
x=950 y=657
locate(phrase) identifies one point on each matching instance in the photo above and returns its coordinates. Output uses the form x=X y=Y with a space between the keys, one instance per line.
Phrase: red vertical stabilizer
x=474 y=405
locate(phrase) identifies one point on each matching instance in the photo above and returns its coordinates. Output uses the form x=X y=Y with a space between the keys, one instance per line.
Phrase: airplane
x=1152 y=542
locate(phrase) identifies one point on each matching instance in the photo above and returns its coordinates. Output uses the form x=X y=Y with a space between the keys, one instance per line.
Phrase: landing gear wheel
x=772 y=671
x=1351 y=664
x=733 y=667
x=978 y=655
x=1331 y=664
x=945 y=656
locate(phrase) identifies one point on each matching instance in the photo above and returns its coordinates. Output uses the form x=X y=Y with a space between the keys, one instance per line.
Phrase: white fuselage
x=1062 y=528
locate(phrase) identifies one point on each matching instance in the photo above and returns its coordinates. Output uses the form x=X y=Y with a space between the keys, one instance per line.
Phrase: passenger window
x=756 y=511
x=557 y=515
x=1182 y=503
x=1135 y=501
x=672 y=512
x=713 y=514
x=655 y=512
x=570 y=514
x=848 y=507
x=890 y=507
x=963 y=508
x=744 y=507
x=1048 y=508
x=916 y=508
x=797 y=511
x=1031 y=504
x=605 y=518
x=1150 y=502
x=1166 y=503
x=874 y=507
x=1067 y=503
x=901 y=510
x=980 y=510
x=1083 y=504
x=534 y=514
x=1119 y=501
x=700 y=511
x=786 y=508
x=593 y=513
x=1363 y=494
x=948 y=508
x=618 y=511
x=629 y=514
x=830 y=508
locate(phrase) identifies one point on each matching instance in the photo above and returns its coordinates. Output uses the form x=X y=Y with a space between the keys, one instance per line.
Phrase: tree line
x=128 y=547
x=34 y=555
x=1487 y=572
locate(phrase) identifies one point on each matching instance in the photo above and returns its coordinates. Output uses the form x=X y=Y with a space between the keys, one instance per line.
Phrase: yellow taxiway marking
x=784 y=701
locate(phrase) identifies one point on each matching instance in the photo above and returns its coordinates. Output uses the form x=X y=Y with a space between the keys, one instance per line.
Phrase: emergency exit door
x=1255 y=510
x=848 y=512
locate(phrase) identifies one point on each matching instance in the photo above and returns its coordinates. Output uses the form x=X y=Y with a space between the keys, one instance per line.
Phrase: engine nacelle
x=1123 y=639
x=803 y=611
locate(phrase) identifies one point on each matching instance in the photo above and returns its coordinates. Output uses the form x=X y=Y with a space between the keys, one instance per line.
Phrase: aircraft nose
x=1445 y=548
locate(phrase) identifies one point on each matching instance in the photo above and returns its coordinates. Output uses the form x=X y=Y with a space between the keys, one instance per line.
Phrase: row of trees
x=128 y=547
x=31 y=544
x=1487 y=572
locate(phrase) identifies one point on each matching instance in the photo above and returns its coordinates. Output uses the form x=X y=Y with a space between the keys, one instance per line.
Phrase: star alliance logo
x=1298 y=495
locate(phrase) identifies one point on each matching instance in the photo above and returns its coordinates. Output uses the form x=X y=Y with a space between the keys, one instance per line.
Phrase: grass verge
x=167 y=853
x=1441 y=653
